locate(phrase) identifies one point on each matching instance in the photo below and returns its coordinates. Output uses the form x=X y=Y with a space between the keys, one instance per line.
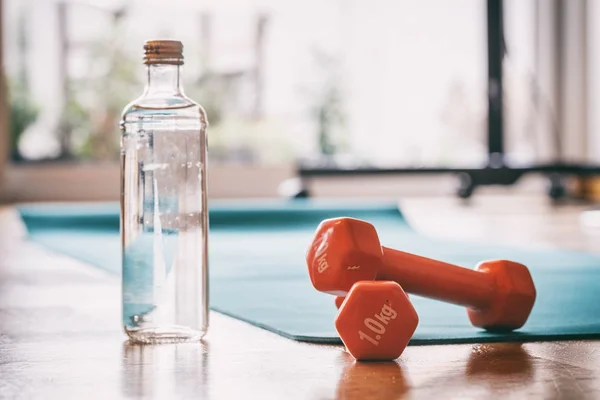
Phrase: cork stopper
x=163 y=52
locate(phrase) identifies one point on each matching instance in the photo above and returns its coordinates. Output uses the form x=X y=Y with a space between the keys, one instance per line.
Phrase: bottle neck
x=163 y=80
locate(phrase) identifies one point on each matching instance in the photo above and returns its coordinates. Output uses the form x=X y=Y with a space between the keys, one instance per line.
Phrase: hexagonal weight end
x=376 y=321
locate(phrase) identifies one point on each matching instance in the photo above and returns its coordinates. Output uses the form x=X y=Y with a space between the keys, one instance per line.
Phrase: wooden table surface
x=60 y=335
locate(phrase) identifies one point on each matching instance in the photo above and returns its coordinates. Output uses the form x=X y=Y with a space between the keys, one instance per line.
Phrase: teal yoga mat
x=258 y=274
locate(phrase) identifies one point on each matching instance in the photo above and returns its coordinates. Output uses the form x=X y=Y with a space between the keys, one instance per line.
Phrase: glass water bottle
x=164 y=214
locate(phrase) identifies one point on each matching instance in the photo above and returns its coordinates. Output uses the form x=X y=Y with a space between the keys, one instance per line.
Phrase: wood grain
x=60 y=335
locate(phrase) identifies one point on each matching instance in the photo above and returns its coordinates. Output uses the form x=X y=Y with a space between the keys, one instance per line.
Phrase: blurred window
x=378 y=82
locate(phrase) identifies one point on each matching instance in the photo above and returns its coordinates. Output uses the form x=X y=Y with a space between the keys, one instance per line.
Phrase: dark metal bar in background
x=559 y=54
x=495 y=35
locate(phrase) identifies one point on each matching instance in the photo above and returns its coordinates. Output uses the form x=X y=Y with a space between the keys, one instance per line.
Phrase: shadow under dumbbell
x=371 y=380
x=447 y=372
x=488 y=361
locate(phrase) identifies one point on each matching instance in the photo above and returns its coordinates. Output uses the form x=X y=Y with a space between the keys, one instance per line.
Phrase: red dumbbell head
x=513 y=300
x=343 y=251
x=376 y=321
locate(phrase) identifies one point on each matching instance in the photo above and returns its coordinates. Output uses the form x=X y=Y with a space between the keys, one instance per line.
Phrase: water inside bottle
x=163 y=226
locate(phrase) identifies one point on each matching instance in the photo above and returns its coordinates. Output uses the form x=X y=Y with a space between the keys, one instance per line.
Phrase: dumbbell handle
x=438 y=280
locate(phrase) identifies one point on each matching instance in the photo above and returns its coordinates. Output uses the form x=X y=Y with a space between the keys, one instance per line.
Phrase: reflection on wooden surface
x=60 y=337
x=159 y=371
x=487 y=362
x=371 y=380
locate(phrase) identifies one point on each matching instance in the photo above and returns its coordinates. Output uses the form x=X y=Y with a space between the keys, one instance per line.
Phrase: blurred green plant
x=327 y=108
x=91 y=115
x=23 y=112
x=112 y=91
x=329 y=116
x=210 y=93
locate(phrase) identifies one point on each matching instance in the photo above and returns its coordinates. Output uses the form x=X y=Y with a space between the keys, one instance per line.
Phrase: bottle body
x=164 y=218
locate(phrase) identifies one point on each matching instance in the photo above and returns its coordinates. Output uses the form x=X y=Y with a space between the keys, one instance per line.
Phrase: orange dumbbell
x=376 y=320
x=499 y=294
